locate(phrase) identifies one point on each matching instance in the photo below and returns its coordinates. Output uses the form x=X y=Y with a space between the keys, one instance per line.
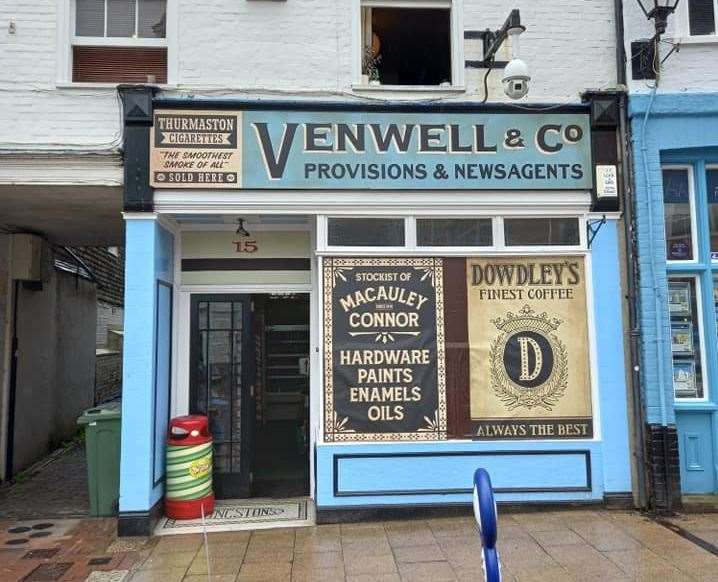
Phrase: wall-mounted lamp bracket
x=493 y=39
x=592 y=228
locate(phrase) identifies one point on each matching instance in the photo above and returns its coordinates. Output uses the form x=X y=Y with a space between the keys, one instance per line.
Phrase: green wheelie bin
x=102 y=447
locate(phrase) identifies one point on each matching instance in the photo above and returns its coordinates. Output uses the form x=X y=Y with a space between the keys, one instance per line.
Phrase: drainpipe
x=632 y=275
x=658 y=303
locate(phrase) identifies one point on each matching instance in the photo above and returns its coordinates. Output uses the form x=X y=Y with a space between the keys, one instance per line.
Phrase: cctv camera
x=516 y=79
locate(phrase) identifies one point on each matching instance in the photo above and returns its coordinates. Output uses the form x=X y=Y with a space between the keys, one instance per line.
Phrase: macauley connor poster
x=384 y=370
x=528 y=348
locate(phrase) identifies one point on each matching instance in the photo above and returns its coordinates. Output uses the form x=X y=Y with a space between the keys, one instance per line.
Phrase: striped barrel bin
x=188 y=493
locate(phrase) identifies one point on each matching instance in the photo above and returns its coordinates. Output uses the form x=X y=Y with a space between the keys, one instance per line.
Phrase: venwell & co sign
x=360 y=150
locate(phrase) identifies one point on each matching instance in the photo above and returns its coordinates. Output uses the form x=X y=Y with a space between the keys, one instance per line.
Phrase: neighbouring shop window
x=677 y=208
x=406 y=46
x=702 y=17
x=712 y=195
x=685 y=338
x=120 y=41
x=541 y=231
x=460 y=232
x=359 y=232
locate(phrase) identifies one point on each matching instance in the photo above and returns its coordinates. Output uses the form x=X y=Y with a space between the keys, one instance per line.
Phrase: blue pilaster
x=148 y=260
x=608 y=314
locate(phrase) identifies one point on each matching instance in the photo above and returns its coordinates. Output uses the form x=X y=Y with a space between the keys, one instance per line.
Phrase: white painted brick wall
x=33 y=111
x=242 y=48
x=691 y=69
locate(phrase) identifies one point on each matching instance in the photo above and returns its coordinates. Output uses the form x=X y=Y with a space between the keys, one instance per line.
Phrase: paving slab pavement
x=555 y=546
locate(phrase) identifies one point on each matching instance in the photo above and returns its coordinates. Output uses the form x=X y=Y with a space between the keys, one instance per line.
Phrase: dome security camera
x=516 y=79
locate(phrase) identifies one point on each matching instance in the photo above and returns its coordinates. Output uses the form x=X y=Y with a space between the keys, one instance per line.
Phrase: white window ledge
x=104 y=86
x=698 y=39
x=410 y=89
x=119 y=41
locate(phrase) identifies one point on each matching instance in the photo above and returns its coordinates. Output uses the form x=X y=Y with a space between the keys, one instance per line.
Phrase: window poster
x=682 y=338
x=684 y=379
x=384 y=367
x=528 y=348
x=679 y=298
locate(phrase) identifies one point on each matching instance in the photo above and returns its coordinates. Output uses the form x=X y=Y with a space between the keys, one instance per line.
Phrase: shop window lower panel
x=447 y=473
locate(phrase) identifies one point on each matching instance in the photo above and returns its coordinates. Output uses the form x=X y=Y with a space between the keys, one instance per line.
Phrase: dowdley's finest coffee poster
x=384 y=349
x=528 y=348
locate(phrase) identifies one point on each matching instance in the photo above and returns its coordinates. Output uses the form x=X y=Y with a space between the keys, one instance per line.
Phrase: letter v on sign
x=275 y=162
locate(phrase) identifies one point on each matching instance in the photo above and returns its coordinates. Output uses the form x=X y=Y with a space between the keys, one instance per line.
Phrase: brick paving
x=57 y=489
x=555 y=546
x=68 y=550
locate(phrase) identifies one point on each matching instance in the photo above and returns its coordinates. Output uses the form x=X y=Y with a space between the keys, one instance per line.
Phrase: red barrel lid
x=192 y=429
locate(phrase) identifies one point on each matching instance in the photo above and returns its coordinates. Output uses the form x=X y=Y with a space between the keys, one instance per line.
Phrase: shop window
x=406 y=46
x=119 y=41
x=366 y=232
x=461 y=232
x=712 y=194
x=541 y=231
x=685 y=338
x=677 y=208
x=702 y=17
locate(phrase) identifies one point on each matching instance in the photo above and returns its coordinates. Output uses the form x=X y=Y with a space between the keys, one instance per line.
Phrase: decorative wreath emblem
x=529 y=363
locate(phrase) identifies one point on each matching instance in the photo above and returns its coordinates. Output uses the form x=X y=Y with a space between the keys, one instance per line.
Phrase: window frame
x=456 y=40
x=683 y=26
x=703 y=269
x=411 y=247
x=695 y=252
x=66 y=39
x=119 y=41
x=709 y=166
x=700 y=319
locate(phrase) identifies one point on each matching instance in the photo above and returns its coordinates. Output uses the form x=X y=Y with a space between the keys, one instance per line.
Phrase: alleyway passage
x=56 y=489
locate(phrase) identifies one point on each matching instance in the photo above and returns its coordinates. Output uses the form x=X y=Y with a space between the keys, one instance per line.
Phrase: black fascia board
x=386 y=106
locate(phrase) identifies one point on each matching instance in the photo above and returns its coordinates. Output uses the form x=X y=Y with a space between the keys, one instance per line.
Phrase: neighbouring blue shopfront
x=371 y=301
x=675 y=139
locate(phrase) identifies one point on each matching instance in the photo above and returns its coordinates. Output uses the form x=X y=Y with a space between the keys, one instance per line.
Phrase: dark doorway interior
x=281 y=459
x=250 y=374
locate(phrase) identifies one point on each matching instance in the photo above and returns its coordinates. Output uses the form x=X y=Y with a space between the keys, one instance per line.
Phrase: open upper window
x=119 y=41
x=408 y=46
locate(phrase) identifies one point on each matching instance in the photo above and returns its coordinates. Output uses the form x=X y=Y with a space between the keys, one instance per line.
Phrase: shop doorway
x=249 y=372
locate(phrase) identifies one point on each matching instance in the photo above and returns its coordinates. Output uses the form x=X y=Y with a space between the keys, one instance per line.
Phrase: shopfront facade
x=676 y=193
x=371 y=301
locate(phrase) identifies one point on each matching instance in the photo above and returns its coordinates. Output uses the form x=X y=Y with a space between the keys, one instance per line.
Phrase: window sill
x=105 y=86
x=697 y=40
x=433 y=89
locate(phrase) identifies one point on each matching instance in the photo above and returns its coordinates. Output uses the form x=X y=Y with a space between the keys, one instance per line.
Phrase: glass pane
x=151 y=19
x=90 y=18
x=541 y=231
x=121 y=18
x=677 y=208
x=221 y=458
x=237 y=315
x=202 y=314
x=454 y=232
x=220 y=384
x=220 y=315
x=368 y=232
x=701 y=17
x=685 y=338
x=712 y=191
x=200 y=389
